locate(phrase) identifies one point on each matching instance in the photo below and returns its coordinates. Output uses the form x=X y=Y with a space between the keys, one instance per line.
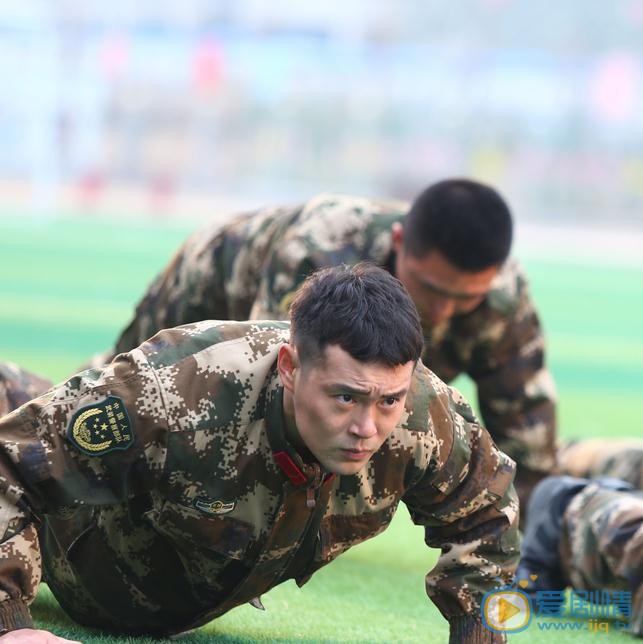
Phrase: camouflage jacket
x=174 y=496
x=17 y=386
x=250 y=267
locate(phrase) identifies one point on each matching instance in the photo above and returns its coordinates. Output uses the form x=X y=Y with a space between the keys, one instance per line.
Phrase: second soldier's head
x=451 y=246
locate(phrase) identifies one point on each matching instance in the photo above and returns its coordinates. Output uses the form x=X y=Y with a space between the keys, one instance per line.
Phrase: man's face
x=439 y=289
x=343 y=409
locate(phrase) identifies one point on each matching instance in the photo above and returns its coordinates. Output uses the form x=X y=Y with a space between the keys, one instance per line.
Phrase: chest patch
x=101 y=427
x=213 y=507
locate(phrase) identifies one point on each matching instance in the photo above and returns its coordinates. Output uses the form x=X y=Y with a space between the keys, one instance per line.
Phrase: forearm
x=522 y=421
x=516 y=391
x=480 y=550
x=473 y=520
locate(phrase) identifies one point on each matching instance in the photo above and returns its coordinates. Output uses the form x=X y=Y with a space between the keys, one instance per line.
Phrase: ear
x=287 y=363
x=397 y=237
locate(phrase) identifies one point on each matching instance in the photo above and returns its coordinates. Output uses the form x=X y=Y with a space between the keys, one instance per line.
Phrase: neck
x=290 y=430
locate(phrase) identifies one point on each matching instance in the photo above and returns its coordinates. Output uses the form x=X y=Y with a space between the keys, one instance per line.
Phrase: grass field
x=69 y=285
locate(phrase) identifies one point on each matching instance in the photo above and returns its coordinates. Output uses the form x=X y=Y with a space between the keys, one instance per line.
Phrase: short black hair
x=467 y=221
x=363 y=309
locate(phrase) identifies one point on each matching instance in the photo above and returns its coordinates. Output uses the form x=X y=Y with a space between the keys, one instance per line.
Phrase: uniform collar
x=296 y=470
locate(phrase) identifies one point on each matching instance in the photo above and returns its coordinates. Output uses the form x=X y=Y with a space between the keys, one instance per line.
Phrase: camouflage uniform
x=166 y=492
x=249 y=269
x=17 y=386
x=618 y=458
x=602 y=545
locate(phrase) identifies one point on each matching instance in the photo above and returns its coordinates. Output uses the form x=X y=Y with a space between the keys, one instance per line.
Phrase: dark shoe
x=540 y=544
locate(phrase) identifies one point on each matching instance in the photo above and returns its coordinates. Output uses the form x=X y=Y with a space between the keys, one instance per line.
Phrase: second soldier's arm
x=516 y=395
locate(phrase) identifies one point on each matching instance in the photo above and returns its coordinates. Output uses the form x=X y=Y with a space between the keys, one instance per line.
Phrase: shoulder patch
x=101 y=428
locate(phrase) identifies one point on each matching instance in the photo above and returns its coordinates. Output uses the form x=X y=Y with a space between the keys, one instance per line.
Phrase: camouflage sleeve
x=466 y=502
x=95 y=439
x=286 y=267
x=17 y=386
x=517 y=397
x=328 y=230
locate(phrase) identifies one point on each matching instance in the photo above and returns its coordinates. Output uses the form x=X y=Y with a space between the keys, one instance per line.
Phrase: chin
x=347 y=469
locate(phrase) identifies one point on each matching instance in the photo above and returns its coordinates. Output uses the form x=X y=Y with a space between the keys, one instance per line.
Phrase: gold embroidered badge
x=101 y=428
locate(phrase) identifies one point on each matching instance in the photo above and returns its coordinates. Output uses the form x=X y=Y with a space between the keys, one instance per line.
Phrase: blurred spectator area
x=162 y=106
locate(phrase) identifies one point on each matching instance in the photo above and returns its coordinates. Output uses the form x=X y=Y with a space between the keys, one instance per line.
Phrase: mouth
x=356 y=454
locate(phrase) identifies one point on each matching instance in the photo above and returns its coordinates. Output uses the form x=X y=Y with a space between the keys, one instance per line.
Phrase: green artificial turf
x=68 y=285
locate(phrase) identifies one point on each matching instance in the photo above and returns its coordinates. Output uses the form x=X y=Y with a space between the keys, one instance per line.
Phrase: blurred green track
x=69 y=284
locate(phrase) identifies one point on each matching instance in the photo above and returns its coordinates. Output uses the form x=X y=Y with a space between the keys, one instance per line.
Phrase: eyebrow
x=356 y=391
x=446 y=292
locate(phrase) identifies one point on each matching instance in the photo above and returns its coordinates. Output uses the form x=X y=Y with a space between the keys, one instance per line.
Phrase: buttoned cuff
x=14 y=614
x=468 y=629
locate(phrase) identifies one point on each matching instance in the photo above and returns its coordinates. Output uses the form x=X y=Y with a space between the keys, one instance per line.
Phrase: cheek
x=388 y=422
x=408 y=283
x=314 y=419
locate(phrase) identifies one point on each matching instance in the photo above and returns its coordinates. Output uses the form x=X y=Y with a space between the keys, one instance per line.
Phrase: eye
x=344 y=398
x=390 y=401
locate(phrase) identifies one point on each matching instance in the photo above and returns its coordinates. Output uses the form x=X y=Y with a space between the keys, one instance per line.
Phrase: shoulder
x=214 y=337
x=435 y=429
x=330 y=221
x=213 y=374
x=253 y=226
x=432 y=404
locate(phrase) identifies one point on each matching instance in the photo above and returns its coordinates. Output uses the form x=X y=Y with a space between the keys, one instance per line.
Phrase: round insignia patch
x=101 y=428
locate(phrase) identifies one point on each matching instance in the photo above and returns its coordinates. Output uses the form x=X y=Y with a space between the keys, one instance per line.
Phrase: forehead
x=439 y=274
x=337 y=366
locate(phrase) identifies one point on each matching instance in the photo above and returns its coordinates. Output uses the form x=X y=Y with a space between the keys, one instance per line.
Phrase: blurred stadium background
x=162 y=106
x=125 y=124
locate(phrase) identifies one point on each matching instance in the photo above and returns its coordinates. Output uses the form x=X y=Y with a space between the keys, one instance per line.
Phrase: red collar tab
x=290 y=468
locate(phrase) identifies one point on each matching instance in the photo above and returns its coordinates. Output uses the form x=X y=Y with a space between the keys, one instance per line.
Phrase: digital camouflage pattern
x=618 y=458
x=209 y=506
x=250 y=267
x=17 y=386
x=602 y=545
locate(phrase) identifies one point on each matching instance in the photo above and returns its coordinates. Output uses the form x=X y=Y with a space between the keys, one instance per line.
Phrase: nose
x=363 y=425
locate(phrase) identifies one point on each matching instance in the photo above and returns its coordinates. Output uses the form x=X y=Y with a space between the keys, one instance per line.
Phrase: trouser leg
x=620 y=458
x=602 y=544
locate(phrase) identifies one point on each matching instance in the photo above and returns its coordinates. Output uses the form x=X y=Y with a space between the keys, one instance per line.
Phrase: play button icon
x=506 y=610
